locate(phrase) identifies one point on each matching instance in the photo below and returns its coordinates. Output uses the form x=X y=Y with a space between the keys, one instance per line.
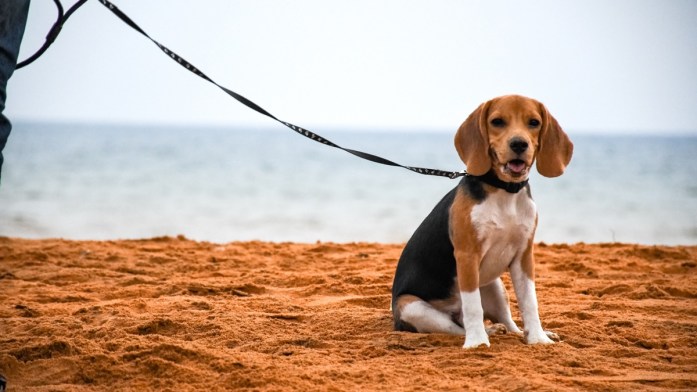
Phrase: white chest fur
x=504 y=223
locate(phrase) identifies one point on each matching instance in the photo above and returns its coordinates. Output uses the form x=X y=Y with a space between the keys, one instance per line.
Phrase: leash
x=53 y=33
x=63 y=17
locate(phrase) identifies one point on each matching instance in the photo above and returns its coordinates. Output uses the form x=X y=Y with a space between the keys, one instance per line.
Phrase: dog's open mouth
x=516 y=167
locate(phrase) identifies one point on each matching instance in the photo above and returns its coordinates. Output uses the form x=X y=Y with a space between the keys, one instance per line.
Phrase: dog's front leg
x=523 y=276
x=468 y=257
x=471 y=300
x=473 y=320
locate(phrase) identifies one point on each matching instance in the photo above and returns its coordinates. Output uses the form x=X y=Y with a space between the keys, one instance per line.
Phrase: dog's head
x=507 y=134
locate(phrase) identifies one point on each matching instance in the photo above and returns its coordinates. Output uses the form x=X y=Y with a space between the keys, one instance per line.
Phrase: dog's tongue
x=516 y=166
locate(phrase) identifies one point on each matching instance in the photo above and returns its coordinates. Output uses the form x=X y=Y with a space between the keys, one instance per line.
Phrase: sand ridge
x=174 y=314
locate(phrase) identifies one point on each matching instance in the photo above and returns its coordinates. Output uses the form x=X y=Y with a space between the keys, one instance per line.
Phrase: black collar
x=510 y=187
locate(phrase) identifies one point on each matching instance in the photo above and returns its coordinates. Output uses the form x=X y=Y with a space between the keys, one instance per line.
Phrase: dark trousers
x=13 y=18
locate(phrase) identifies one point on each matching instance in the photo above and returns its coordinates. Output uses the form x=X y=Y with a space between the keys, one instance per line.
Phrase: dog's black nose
x=518 y=146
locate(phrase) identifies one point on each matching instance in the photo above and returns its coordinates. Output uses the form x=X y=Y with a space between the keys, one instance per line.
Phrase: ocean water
x=219 y=184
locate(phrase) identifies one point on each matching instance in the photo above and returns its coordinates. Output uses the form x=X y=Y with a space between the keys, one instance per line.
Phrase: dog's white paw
x=471 y=343
x=540 y=337
x=474 y=339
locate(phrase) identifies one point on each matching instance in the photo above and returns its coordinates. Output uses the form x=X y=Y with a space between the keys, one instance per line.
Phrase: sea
x=218 y=184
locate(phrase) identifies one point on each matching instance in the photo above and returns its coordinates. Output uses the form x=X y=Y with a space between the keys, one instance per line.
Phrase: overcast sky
x=598 y=65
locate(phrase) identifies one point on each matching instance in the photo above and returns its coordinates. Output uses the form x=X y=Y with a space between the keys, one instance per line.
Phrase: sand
x=170 y=314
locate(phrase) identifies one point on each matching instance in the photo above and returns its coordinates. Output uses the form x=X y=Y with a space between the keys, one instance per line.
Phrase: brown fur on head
x=507 y=134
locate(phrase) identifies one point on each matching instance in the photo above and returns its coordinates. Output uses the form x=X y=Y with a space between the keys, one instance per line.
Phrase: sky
x=621 y=66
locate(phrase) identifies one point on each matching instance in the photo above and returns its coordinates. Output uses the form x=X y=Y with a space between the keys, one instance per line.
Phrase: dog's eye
x=534 y=123
x=498 y=122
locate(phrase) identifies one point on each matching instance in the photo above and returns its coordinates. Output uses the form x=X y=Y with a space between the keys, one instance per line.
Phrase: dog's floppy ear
x=472 y=142
x=555 y=149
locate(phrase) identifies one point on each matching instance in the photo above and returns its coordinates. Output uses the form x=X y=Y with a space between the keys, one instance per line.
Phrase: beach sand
x=170 y=314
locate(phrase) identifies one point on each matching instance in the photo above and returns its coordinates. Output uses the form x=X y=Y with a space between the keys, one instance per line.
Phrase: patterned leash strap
x=310 y=135
x=62 y=18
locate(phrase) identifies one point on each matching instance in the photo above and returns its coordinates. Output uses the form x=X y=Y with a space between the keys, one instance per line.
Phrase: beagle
x=448 y=278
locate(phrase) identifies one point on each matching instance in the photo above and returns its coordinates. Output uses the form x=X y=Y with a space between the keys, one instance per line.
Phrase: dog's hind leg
x=412 y=311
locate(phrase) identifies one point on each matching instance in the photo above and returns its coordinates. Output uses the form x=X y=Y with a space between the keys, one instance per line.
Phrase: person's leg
x=13 y=18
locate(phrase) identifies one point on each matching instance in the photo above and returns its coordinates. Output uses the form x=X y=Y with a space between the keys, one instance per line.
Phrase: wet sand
x=170 y=314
